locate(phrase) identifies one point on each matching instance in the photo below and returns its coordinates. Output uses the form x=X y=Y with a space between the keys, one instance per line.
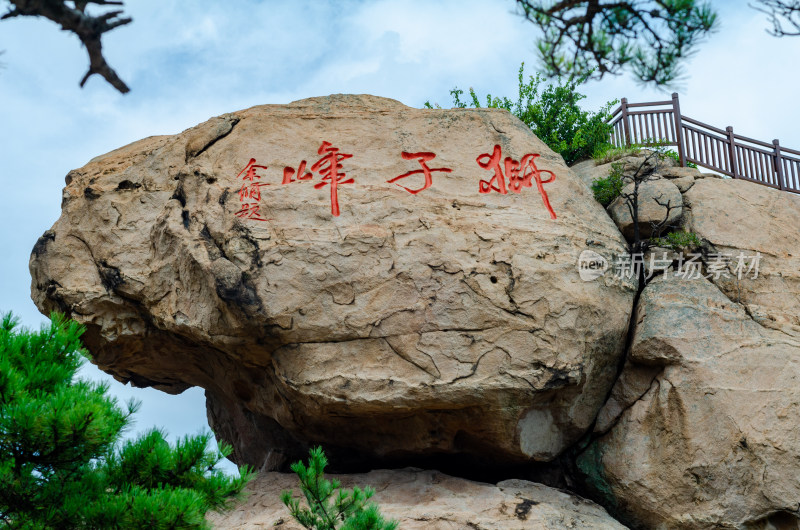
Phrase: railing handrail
x=737 y=156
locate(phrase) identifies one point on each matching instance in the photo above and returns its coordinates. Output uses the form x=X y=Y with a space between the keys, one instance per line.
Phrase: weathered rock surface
x=699 y=430
x=684 y=183
x=429 y=500
x=588 y=171
x=678 y=172
x=445 y=322
x=736 y=218
x=654 y=196
x=709 y=403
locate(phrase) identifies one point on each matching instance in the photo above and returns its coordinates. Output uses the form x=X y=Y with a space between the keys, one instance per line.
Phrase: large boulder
x=429 y=500
x=701 y=430
x=448 y=321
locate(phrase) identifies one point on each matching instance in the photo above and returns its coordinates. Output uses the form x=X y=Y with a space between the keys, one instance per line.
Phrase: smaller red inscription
x=250 y=192
x=422 y=158
x=250 y=171
x=520 y=175
x=250 y=211
x=328 y=166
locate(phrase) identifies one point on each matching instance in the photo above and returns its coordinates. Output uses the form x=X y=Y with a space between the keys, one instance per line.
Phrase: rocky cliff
x=402 y=286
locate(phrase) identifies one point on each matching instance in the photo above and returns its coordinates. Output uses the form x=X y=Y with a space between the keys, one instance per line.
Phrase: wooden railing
x=739 y=157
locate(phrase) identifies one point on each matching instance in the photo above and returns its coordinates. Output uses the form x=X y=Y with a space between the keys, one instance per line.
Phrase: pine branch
x=599 y=37
x=88 y=28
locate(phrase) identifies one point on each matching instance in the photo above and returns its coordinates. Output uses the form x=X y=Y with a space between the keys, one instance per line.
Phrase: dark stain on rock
x=110 y=276
x=128 y=185
x=558 y=379
x=51 y=291
x=223 y=198
x=185 y=217
x=213 y=247
x=242 y=295
x=180 y=195
x=522 y=509
x=71 y=175
x=255 y=255
x=41 y=244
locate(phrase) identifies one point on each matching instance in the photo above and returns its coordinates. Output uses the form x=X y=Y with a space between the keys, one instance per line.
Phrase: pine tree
x=330 y=510
x=61 y=461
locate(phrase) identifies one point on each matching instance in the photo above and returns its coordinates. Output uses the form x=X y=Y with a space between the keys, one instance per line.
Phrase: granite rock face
x=706 y=434
x=755 y=228
x=447 y=321
x=429 y=500
x=699 y=430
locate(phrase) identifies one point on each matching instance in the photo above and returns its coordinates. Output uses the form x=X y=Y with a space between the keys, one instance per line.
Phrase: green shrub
x=679 y=240
x=676 y=157
x=606 y=189
x=553 y=114
x=344 y=510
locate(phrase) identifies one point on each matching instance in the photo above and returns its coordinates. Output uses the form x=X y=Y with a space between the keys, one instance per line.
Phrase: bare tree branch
x=658 y=228
x=88 y=28
x=781 y=12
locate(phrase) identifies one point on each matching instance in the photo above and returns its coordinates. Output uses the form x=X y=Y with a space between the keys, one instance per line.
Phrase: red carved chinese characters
x=250 y=171
x=302 y=174
x=520 y=175
x=250 y=192
x=423 y=158
x=328 y=166
x=508 y=174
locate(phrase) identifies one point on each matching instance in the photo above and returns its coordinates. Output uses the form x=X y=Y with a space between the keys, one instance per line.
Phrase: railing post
x=778 y=163
x=626 y=126
x=732 y=152
x=676 y=110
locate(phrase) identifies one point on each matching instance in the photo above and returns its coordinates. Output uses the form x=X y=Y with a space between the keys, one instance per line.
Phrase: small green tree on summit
x=61 y=464
x=330 y=510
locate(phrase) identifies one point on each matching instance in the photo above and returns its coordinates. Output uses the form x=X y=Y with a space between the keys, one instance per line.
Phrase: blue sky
x=188 y=61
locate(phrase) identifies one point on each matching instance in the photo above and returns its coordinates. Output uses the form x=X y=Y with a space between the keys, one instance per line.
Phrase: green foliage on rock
x=553 y=114
x=612 y=154
x=674 y=155
x=606 y=189
x=61 y=464
x=329 y=509
x=679 y=240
